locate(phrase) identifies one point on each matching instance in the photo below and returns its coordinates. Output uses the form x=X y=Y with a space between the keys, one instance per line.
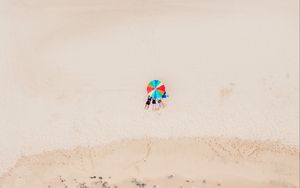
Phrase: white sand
x=74 y=72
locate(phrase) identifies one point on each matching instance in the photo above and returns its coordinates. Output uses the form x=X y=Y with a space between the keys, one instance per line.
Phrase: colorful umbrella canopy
x=156 y=89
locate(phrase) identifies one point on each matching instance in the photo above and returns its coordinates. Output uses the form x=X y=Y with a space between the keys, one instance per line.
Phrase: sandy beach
x=185 y=162
x=73 y=78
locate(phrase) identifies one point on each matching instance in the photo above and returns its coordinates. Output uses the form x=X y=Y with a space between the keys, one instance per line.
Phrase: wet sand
x=166 y=163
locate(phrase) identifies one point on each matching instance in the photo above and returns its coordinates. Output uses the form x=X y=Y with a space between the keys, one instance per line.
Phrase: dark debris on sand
x=101 y=182
x=138 y=183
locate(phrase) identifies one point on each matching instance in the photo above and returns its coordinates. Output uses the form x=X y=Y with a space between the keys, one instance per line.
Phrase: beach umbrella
x=156 y=89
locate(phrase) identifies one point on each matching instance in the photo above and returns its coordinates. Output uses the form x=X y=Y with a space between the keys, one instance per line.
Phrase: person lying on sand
x=160 y=103
x=148 y=103
x=154 y=107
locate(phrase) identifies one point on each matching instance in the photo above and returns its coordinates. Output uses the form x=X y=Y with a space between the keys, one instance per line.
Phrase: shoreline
x=259 y=163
